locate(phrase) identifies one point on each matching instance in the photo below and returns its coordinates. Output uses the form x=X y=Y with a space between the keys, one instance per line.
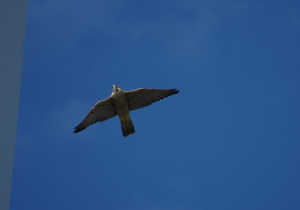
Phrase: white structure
x=12 y=37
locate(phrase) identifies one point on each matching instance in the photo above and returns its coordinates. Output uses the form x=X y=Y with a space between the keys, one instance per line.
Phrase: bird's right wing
x=102 y=111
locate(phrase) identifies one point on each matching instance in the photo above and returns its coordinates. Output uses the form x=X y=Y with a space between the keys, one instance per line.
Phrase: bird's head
x=116 y=89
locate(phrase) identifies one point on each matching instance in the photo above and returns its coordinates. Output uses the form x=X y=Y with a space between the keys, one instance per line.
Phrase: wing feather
x=102 y=111
x=143 y=97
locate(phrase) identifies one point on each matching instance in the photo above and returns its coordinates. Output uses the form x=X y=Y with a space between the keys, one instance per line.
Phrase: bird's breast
x=121 y=105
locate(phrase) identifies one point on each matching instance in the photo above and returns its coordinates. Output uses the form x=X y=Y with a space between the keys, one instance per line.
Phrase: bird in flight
x=120 y=103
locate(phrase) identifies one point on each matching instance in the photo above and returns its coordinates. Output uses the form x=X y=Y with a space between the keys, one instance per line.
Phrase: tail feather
x=127 y=127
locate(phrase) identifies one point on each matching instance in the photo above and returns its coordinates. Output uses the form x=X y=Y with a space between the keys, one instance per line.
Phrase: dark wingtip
x=175 y=91
x=76 y=130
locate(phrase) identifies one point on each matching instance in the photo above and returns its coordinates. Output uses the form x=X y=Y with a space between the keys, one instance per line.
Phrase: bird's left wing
x=143 y=97
x=102 y=111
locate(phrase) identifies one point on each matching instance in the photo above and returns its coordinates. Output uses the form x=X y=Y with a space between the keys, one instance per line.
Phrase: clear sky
x=229 y=140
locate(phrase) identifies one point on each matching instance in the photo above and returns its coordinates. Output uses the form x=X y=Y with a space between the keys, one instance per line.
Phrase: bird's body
x=122 y=108
x=120 y=103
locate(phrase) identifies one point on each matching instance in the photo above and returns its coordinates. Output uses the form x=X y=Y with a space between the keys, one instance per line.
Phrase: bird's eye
x=117 y=89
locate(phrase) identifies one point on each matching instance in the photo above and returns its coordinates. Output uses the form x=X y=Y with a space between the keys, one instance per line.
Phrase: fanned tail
x=127 y=126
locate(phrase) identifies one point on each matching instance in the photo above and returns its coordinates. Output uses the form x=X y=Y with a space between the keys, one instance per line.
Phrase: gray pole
x=12 y=36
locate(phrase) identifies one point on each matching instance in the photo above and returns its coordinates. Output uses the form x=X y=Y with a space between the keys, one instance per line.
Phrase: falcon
x=121 y=103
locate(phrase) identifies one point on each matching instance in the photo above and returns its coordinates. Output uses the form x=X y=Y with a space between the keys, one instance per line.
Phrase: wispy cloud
x=180 y=27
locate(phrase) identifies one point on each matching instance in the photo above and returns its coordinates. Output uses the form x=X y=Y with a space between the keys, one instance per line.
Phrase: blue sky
x=228 y=140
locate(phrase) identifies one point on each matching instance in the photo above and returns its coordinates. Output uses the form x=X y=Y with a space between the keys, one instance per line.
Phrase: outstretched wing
x=143 y=97
x=102 y=111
